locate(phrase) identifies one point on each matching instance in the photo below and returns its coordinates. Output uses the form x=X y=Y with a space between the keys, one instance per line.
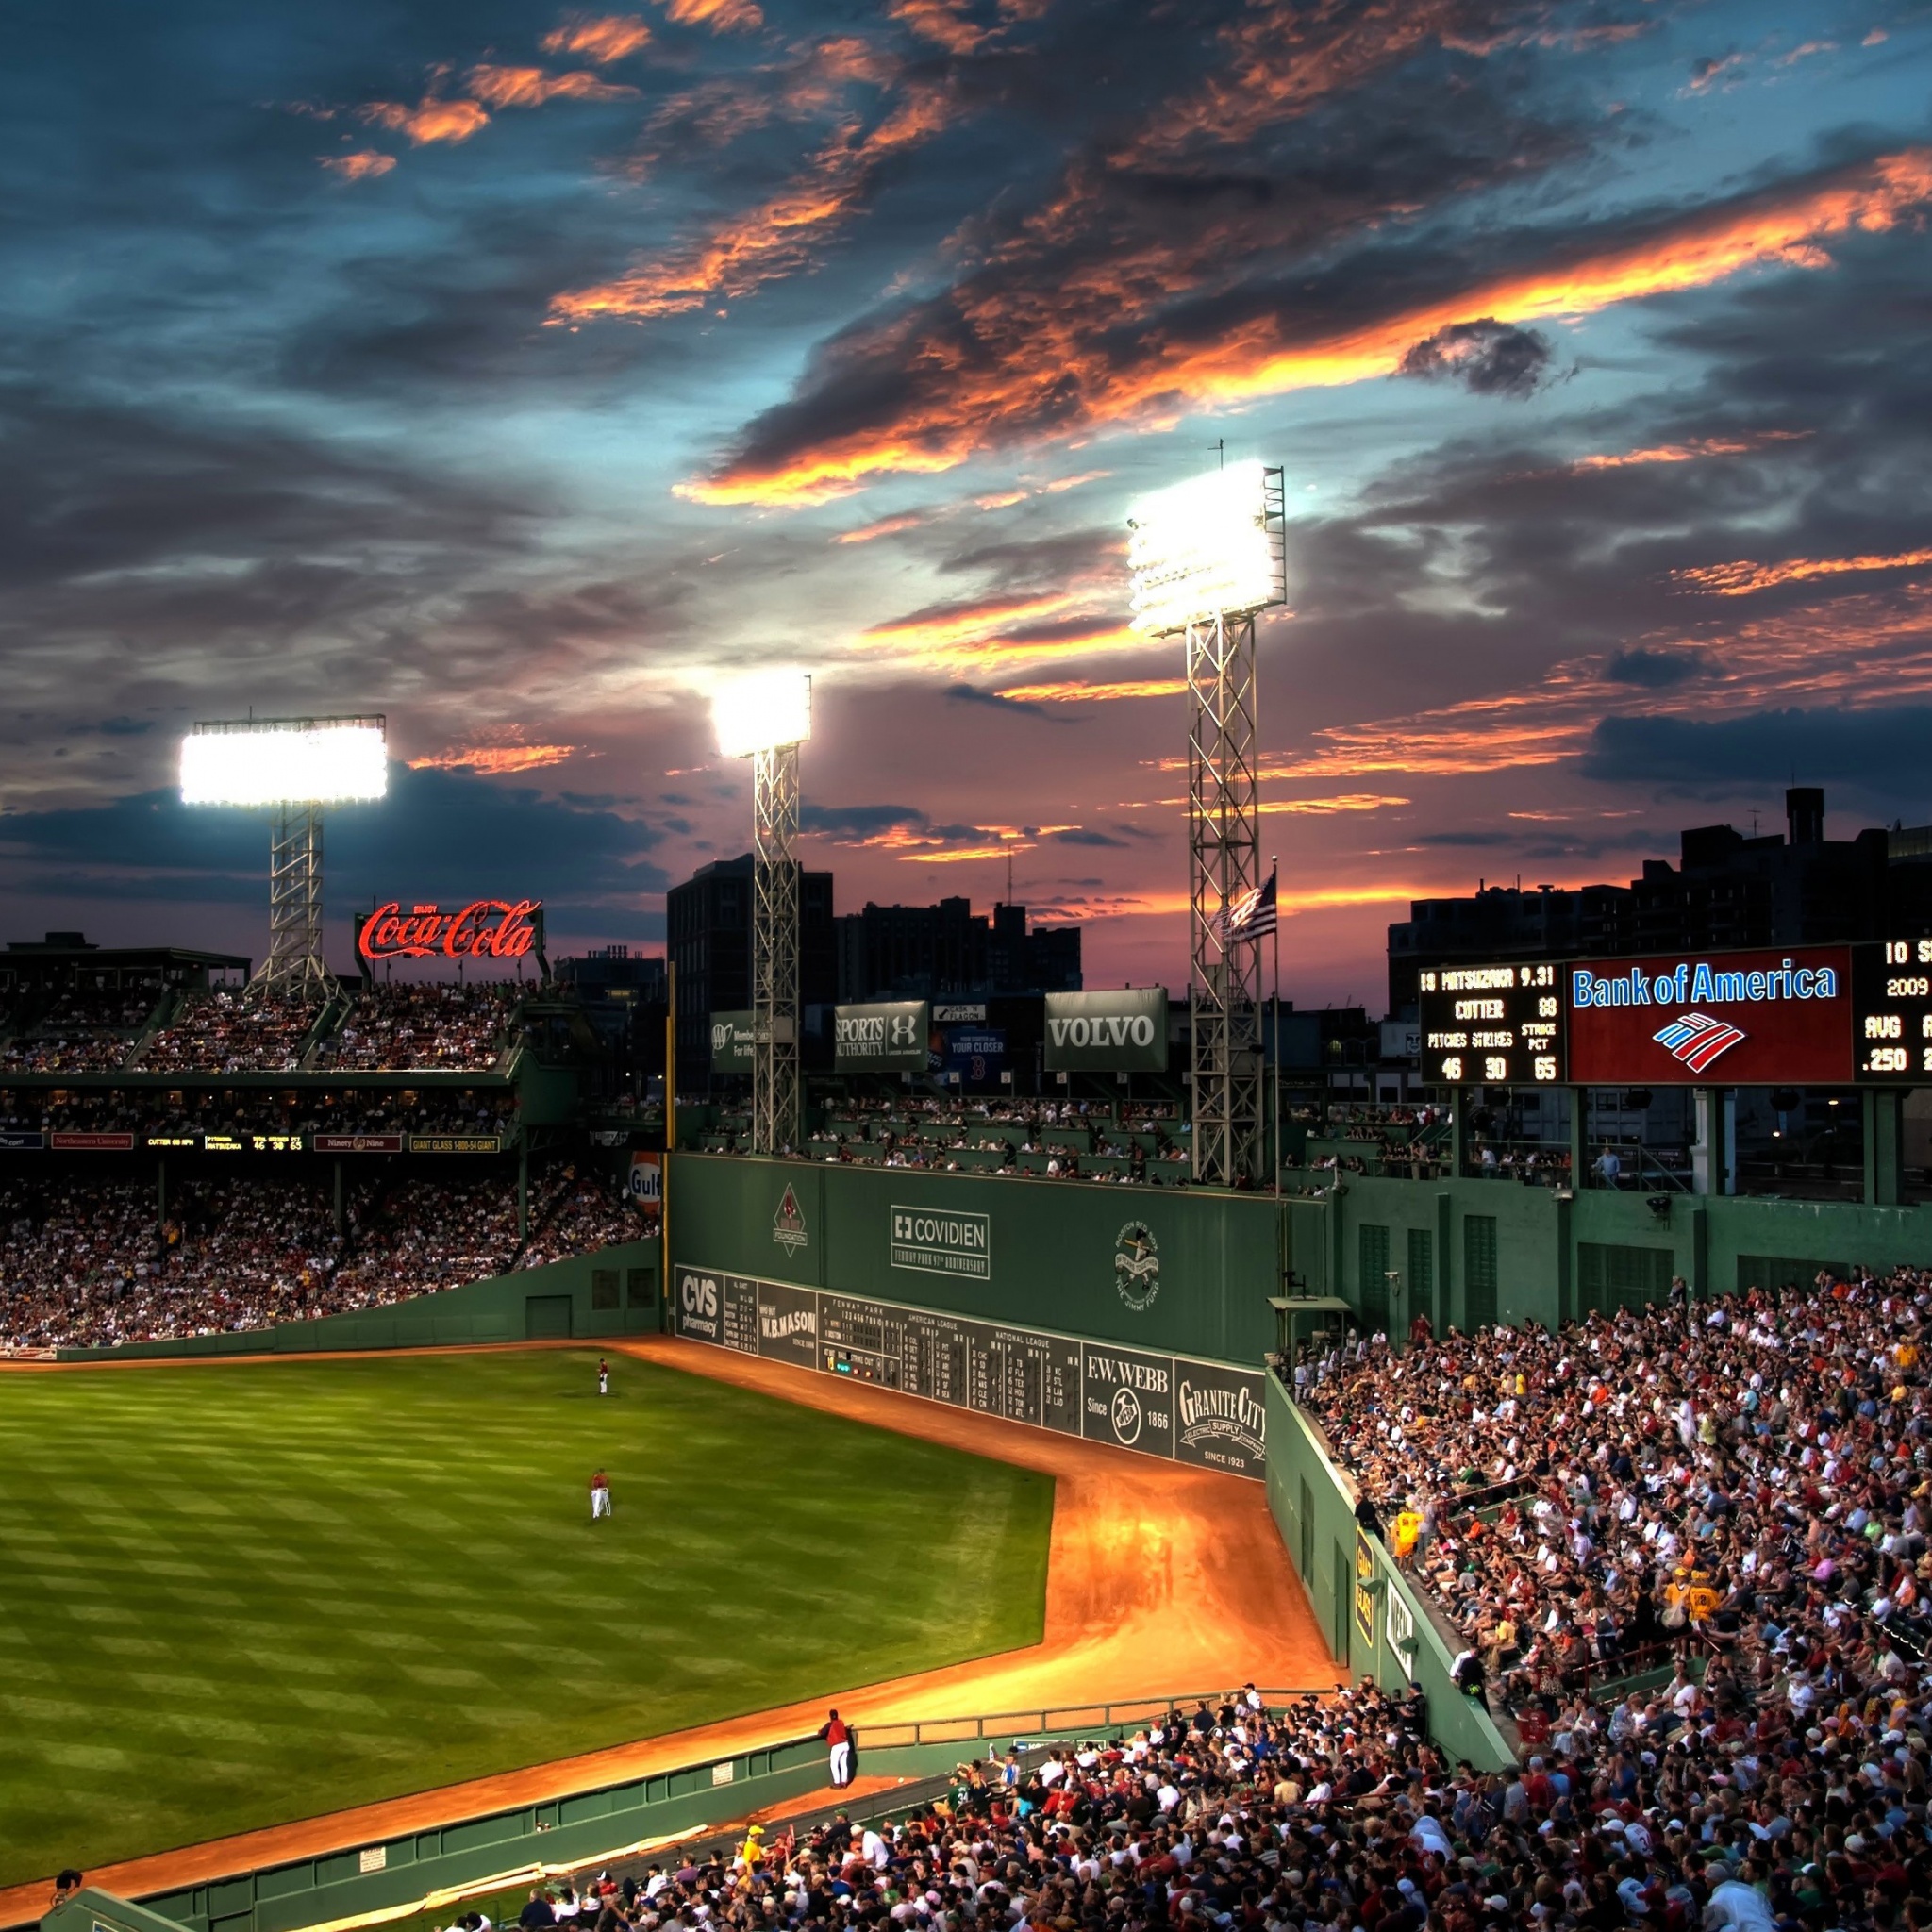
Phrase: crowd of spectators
x=85 y=1030
x=91 y=1261
x=1336 y=1813
x=307 y=1110
x=582 y=1215
x=422 y=1025
x=1748 y=1479
x=224 y=1032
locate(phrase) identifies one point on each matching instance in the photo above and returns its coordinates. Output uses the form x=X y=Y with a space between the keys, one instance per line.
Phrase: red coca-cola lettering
x=483 y=929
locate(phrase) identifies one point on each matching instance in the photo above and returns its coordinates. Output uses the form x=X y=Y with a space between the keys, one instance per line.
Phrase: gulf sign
x=1780 y=1018
x=482 y=930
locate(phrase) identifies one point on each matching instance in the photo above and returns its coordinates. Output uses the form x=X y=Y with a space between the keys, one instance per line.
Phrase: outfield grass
x=238 y=1594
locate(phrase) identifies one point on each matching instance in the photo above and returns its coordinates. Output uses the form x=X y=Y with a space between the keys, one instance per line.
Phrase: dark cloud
x=1653 y=670
x=438 y=833
x=857 y=820
x=1487 y=358
x=1462 y=839
x=1880 y=754
x=962 y=693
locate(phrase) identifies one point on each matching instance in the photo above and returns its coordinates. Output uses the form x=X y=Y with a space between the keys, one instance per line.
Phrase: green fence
x=617 y=1291
x=1374 y=1622
x=1047 y=1254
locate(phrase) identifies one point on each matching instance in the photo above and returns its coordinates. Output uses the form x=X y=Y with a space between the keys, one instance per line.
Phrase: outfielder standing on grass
x=600 y=1495
x=602 y=1377
x=838 y=1742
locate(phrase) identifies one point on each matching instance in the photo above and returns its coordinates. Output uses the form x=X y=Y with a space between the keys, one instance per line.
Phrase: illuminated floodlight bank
x=285 y=761
x=1211 y=547
x=761 y=711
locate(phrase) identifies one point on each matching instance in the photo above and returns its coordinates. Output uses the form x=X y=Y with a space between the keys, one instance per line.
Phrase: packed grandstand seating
x=1744 y=1484
x=83 y=1031
x=226 y=1032
x=307 y=1110
x=86 y=1261
x=1334 y=1812
x=1141 y=1143
x=424 y=1026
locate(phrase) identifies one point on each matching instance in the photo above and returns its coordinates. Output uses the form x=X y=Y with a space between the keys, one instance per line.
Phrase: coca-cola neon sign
x=483 y=929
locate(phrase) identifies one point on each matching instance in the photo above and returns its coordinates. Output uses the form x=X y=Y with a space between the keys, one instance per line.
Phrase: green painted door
x=546 y=1316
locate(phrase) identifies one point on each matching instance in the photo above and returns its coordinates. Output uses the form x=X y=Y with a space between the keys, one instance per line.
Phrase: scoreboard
x=1493 y=1026
x=1891 y=1012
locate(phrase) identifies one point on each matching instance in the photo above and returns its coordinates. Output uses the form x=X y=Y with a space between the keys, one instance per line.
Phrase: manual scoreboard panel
x=1493 y=1026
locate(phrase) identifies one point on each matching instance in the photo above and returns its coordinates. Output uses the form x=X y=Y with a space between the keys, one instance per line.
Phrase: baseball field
x=238 y=1594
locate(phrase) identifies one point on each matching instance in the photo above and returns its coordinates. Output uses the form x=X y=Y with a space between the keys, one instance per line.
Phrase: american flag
x=1250 y=917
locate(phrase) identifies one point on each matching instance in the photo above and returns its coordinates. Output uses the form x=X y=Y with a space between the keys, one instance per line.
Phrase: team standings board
x=1158 y=1405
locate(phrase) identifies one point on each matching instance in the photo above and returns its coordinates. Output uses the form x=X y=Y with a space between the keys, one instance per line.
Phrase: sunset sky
x=514 y=372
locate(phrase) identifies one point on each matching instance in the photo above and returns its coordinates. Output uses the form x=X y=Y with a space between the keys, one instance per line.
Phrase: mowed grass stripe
x=243 y=1594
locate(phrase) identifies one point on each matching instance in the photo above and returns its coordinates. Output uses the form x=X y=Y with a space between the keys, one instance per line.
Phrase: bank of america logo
x=1697 y=1039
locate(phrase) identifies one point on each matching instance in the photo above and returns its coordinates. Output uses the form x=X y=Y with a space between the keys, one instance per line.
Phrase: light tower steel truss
x=1223 y=865
x=294 y=964
x=775 y=947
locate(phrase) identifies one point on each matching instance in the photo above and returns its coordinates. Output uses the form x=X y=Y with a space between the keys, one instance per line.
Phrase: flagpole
x=1274 y=873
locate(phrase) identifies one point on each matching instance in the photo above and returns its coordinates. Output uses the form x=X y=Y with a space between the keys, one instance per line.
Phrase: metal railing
x=1066 y=1720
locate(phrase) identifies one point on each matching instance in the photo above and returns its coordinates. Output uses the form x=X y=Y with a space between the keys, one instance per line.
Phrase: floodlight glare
x=1205 y=549
x=284 y=762
x=760 y=712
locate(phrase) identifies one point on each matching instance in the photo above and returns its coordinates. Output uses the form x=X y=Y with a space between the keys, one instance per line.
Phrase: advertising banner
x=976 y=1055
x=1114 y=1032
x=928 y=1240
x=454 y=1144
x=788 y=1323
x=731 y=1042
x=1747 y=1018
x=91 y=1144
x=645 y=1182
x=357 y=1143
x=483 y=929
x=1206 y=1413
x=1129 y=1399
x=21 y=1140
x=1218 y=1418
x=887 y=1037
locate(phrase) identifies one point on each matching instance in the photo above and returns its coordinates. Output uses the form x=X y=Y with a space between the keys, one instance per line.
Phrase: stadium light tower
x=295 y=765
x=1205 y=556
x=765 y=716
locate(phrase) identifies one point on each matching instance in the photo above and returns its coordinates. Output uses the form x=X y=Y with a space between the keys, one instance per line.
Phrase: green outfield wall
x=1475 y=1251
x=617 y=1291
x=1044 y=1253
x=1374 y=1623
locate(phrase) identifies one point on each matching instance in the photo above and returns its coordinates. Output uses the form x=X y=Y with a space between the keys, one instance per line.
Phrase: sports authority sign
x=888 y=1037
x=928 y=1240
x=1205 y=1413
x=483 y=929
x=1124 y=1032
x=1747 y=1018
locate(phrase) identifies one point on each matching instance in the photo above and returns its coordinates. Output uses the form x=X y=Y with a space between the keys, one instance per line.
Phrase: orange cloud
x=602 y=38
x=1001 y=361
x=721 y=16
x=1740 y=580
x=1345 y=801
x=530 y=87
x=1095 y=694
x=942 y=21
x=773 y=240
x=885 y=527
x=951 y=623
x=493 y=760
x=429 y=119
x=364 y=165
x=1061 y=483
x=1675 y=452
